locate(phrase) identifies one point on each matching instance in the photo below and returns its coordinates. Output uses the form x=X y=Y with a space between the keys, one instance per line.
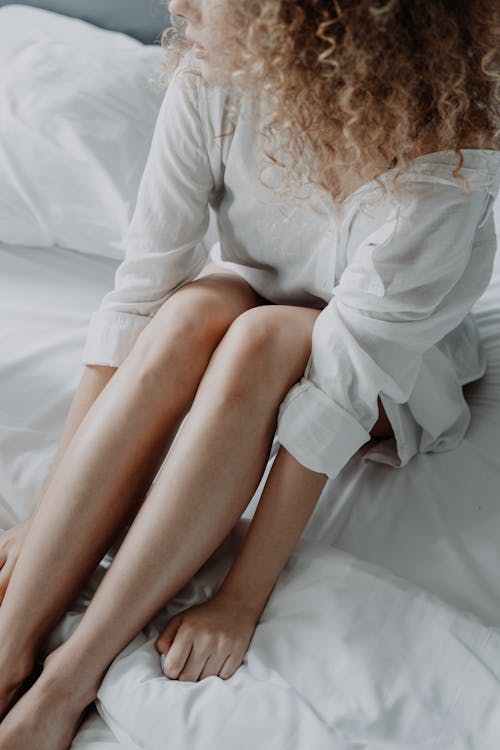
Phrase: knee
x=259 y=352
x=183 y=329
x=254 y=333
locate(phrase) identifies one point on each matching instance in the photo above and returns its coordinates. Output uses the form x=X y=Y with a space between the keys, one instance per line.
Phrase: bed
x=383 y=630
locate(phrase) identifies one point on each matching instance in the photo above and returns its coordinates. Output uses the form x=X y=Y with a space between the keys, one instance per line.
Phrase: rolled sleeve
x=164 y=246
x=111 y=336
x=305 y=420
x=405 y=287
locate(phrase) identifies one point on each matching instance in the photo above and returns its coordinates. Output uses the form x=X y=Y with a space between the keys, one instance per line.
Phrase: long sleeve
x=405 y=286
x=164 y=248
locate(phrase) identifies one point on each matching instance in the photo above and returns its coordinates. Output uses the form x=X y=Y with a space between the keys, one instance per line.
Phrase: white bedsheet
x=388 y=638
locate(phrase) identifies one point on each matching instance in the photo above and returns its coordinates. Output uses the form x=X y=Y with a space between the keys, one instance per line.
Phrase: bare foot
x=47 y=717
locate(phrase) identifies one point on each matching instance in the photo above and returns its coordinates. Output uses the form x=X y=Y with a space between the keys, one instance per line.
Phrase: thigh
x=199 y=312
x=230 y=284
x=210 y=267
x=216 y=297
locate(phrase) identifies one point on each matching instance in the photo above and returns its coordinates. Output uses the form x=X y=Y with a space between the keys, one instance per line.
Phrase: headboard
x=142 y=19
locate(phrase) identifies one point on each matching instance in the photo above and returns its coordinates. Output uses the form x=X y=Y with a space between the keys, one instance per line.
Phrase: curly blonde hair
x=363 y=85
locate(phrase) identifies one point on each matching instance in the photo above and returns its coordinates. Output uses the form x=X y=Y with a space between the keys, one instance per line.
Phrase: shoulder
x=470 y=170
x=437 y=178
x=184 y=83
x=218 y=106
x=188 y=78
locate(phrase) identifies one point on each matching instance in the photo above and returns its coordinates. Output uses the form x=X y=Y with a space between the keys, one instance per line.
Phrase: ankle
x=62 y=673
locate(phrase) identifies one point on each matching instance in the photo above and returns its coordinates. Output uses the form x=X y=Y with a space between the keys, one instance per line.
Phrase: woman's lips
x=198 y=50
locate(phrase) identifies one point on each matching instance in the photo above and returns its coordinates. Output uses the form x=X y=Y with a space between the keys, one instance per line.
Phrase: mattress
x=383 y=629
x=432 y=527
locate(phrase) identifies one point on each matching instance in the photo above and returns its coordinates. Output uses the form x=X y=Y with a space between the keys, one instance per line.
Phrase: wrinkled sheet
x=346 y=656
x=383 y=629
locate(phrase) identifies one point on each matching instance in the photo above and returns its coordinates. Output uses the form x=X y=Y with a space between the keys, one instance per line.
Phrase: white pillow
x=78 y=105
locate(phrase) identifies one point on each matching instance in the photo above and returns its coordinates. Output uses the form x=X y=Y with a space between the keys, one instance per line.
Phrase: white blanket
x=345 y=656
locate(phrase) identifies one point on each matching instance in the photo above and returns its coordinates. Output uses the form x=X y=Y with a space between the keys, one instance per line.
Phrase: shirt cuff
x=317 y=431
x=111 y=336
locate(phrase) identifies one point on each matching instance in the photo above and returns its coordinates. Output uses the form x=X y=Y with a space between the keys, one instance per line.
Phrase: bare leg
x=107 y=468
x=93 y=381
x=197 y=499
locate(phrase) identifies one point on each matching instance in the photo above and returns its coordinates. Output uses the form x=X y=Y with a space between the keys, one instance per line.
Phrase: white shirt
x=390 y=280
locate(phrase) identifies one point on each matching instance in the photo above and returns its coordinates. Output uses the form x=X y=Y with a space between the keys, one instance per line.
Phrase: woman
x=338 y=324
